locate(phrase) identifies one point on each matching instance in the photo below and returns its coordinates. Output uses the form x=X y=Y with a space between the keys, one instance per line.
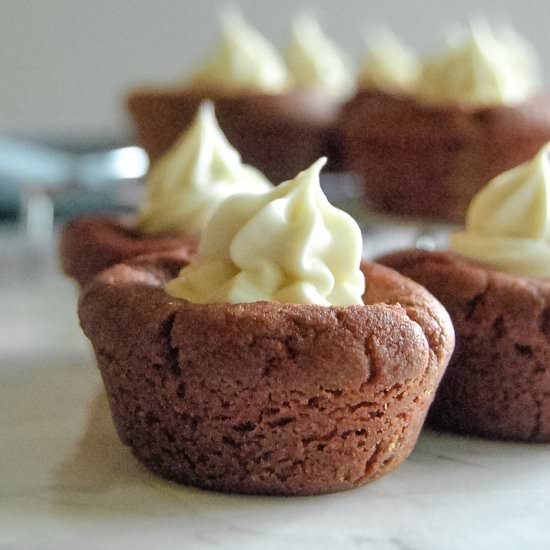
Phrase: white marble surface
x=66 y=482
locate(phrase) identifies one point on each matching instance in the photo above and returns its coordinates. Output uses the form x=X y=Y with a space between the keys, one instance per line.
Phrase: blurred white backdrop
x=65 y=64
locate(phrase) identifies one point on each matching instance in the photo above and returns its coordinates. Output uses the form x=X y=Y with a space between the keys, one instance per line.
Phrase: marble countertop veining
x=66 y=482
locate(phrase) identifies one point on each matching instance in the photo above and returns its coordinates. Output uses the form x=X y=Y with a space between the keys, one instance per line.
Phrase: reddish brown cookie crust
x=425 y=160
x=498 y=381
x=278 y=134
x=89 y=244
x=266 y=398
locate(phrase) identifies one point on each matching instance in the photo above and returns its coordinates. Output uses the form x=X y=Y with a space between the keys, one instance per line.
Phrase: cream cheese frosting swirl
x=287 y=245
x=508 y=222
x=244 y=61
x=200 y=170
x=388 y=65
x=482 y=67
x=315 y=61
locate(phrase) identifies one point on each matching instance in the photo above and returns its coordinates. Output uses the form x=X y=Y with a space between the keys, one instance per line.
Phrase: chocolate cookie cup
x=427 y=160
x=184 y=188
x=266 y=398
x=259 y=125
x=89 y=244
x=498 y=381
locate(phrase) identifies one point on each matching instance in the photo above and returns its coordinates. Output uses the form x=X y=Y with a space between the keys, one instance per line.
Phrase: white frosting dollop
x=287 y=245
x=482 y=66
x=244 y=61
x=315 y=61
x=508 y=222
x=187 y=184
x=389 y=65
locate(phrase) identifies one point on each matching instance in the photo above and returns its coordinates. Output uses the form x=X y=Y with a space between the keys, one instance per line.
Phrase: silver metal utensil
x=32 y=172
